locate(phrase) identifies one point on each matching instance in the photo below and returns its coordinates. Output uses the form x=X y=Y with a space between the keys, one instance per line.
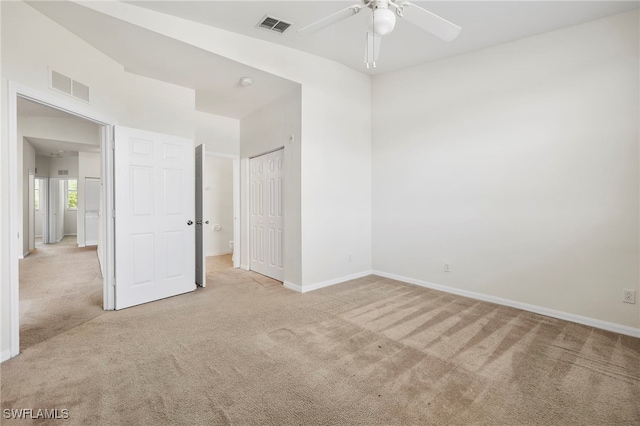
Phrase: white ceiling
x=216 y=79
x=52 y=147
x=484 y=24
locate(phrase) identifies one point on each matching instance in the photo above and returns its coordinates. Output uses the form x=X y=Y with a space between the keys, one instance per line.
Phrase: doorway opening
x=30 y=186
x=60 y=279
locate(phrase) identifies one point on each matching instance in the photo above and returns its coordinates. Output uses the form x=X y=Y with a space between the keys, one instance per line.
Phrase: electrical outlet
x=628 y=295
x=447 y=268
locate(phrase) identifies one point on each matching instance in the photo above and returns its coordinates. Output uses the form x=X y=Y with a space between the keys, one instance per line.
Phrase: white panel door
x=266 y=214
x=154 y=213
x=92 y=189
x=201 y=264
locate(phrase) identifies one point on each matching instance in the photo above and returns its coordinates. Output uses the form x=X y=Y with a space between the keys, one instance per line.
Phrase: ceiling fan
x=383 y=20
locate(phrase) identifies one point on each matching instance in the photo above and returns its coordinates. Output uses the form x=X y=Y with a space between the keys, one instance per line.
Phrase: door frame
x=15 y=91
x=44 y=208
x=32 y=212
x=54 y=205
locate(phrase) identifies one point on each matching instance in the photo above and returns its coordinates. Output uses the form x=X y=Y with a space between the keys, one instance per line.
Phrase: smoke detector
x=246 y=81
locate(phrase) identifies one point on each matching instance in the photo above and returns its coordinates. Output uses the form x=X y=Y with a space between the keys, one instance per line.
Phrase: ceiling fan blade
x=428 y=21
x=333 y=18
x=372 y=49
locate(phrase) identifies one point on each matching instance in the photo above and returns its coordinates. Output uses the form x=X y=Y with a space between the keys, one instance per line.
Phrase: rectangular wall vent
x=273 y=24
x=80 y=91
x=63 y=172
x=61 y=82
x=68 y=86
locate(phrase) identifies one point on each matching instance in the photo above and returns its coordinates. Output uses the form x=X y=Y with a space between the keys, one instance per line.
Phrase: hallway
x=60 y=288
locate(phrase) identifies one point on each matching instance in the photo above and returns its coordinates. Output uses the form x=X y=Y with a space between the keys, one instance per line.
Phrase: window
x=36 y=194
x=72 y=194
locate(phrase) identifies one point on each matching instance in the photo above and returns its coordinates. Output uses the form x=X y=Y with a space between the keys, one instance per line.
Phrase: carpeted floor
x=372 y=351
x=60 y=288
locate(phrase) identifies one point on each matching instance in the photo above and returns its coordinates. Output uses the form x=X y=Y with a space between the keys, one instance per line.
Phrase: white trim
x=16 y=90
x=218 y=253
x=245 y=267
x=70 y=235
x=323 y=284
x=292 y=286
x=14 y=250
x=25 y=254
x=5 y=355
x=592 y=322
x=237 y=241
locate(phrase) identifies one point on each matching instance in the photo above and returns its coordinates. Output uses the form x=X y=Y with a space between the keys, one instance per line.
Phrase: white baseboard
x=292 y=286
x=317 y=286
x=70 y=235
x=81 y=245
x=245 y=267
x=5 y=355
x=219 y=253
x=592 y=322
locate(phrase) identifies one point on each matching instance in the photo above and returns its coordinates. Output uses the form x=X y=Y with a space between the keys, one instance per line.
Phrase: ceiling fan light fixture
x=384 y=21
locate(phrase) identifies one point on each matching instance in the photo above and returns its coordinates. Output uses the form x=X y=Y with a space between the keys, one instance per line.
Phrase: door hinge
x=113 y=282
x=113 y=213
x=113 y=144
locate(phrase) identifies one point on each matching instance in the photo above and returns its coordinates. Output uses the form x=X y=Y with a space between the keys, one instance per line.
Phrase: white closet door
x=267 y=214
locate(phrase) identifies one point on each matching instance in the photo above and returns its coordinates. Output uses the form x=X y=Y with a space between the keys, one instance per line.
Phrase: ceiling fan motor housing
x=384 y=19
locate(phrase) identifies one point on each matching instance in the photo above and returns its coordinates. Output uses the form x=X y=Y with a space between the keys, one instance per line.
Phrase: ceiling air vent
x=273 y=24
x=66 y=85
x=63 y=172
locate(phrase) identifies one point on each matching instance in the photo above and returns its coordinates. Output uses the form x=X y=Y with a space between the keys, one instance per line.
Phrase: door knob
x=190 y=223
x=198 y=222
x=206 y=222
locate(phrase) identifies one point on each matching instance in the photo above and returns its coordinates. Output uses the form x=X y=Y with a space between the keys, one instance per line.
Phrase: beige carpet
x=372 y=351
x=60 y=288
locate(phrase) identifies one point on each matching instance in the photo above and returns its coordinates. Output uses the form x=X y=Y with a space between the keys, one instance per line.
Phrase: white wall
x=61 y=129
x=519 y=166
x=218 y=199
x=42 y=166
x=335 y=144
x=265 y=130
x=69 y=163
x=166 y=108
